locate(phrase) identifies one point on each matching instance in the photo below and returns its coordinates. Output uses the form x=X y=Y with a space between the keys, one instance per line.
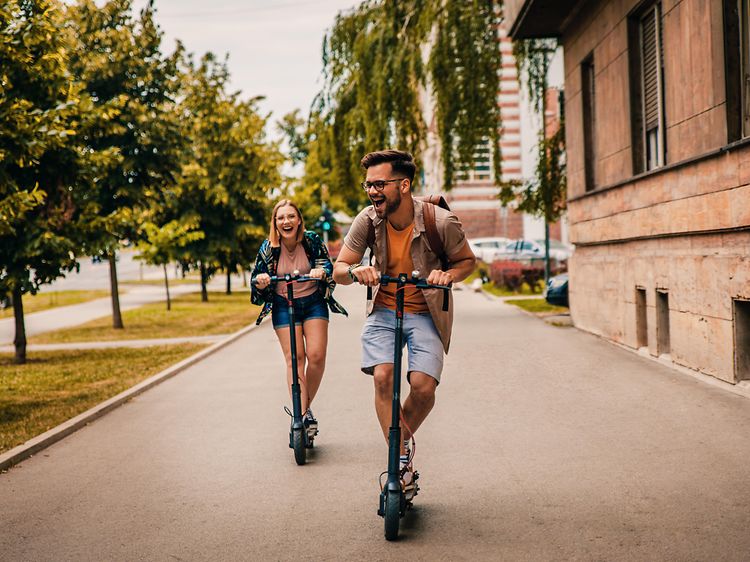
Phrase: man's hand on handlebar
x=262 y=281
x=438 y=277
x=366 y=275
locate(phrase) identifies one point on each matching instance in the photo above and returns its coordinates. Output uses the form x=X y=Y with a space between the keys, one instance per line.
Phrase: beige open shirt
x=424 y=259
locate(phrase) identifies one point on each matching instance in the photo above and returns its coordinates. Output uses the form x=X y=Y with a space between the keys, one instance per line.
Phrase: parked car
x=488 y=249
x=557 y=250
x=556 y=292
x=535 y=249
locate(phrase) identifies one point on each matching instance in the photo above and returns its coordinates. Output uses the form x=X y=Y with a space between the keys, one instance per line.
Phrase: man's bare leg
x=419 y=403
x=383 y=379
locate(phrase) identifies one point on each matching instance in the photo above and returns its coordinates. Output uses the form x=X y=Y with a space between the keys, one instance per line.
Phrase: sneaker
x=409 y=478
x=310 y=423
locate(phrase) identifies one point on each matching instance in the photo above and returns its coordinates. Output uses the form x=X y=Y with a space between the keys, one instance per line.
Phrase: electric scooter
x=300 y=438
x=393 y=499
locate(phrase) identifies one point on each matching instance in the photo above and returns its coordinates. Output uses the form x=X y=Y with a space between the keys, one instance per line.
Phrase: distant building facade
x=474 y=195
x=657 y=117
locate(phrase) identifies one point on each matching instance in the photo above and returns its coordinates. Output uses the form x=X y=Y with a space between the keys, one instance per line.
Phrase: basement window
x=641 y=318
x=662 y=322
x=741 y=340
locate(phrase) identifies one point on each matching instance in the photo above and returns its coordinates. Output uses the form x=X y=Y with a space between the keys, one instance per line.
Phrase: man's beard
x=391 y=206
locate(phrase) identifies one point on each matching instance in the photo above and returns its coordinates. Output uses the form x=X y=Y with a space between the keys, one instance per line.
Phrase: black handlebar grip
x=445 y=299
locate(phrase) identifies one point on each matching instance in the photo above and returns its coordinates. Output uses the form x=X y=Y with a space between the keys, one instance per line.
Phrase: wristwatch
x=352 y=268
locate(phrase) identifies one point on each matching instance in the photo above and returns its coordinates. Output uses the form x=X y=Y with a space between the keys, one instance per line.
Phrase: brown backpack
x=430 y=225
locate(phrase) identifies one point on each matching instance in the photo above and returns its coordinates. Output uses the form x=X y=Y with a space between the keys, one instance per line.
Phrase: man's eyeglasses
x=379 y=185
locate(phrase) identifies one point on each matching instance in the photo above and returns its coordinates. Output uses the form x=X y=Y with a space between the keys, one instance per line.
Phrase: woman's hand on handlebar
x=366 y=275
x=263 y=280
x=438 y=277
x=317 y=273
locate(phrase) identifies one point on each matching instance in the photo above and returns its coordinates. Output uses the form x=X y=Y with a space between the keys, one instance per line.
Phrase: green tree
x=164 y=242
x=41 y=165
x=133 y=88
x=227 y=173
x=545 y=194
x=377 y=72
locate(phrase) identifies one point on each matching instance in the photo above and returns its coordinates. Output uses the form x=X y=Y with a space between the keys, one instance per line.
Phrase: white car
x=535 y=249
x=488 y=249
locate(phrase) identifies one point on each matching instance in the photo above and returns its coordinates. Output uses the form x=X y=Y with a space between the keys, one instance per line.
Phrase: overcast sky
x=274 y=46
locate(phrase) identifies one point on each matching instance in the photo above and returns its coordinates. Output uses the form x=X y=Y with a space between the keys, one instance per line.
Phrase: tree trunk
x=20 y=340
x=244 y=277
x=166 y=286
x=229 y=282
x=116 y=314
x=204 y=281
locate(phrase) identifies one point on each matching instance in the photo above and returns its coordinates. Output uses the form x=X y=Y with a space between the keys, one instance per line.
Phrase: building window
x=662 y=322
x=482 y=168
x=641 y=318
x=588 y=94
x=737 y=54
x=647 y=88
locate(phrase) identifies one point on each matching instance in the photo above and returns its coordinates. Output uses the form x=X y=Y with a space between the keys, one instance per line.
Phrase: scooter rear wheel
x=298 y=444
x=392 y=514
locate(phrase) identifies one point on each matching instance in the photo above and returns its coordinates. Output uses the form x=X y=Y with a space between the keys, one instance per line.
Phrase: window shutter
x=651 y=62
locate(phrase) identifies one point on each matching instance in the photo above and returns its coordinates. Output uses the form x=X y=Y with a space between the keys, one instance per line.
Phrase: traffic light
x=326 y=220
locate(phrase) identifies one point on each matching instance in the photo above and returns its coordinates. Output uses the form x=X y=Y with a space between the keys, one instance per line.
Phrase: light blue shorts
x=420 y=336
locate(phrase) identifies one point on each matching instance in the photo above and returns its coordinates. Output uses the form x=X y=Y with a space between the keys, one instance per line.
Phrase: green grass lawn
x=503 y=292
x=44 y=301
x=538 y=306
x=55 y=386
x=222 y=314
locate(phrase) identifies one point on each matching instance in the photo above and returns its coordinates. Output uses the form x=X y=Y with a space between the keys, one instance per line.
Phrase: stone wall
x=684 y=228
x=701 y=274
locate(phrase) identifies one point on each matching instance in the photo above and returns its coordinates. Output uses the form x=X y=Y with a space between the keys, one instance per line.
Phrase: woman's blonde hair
x=273 y=235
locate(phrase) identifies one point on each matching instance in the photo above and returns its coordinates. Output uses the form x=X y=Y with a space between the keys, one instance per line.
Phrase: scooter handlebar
x=294 y=276
x=419 y=283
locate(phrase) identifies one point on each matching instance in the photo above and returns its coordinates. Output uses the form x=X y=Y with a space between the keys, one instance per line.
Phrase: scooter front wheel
x=392 y=514
x=298 y=444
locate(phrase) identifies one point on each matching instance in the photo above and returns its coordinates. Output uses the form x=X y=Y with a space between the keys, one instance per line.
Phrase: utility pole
x=324 y=215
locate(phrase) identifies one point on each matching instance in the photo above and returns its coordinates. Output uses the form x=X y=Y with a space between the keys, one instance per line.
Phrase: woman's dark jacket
x=268 y=260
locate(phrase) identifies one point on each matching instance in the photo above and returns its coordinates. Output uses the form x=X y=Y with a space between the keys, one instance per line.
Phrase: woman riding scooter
x=288 y=249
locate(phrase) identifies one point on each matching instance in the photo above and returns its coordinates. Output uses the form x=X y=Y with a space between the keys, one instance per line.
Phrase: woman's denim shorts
x=305 y=308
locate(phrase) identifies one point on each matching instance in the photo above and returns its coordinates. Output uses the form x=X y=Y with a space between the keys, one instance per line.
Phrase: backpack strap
x=371 y=245
x=433 y=236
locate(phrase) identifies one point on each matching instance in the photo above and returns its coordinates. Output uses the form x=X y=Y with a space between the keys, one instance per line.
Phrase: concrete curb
x=36 y=444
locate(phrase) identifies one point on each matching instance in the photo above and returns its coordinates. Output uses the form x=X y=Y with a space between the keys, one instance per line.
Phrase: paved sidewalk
x=73 y=315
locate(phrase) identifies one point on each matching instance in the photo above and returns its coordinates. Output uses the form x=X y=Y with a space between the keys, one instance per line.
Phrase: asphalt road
x=545 y=444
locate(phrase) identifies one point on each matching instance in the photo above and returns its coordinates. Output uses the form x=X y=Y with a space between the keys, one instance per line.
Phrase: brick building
x=658 y=153
x=474 y=195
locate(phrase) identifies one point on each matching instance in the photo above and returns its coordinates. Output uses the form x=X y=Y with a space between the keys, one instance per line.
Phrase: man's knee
x=383 y=379
x=423 y=386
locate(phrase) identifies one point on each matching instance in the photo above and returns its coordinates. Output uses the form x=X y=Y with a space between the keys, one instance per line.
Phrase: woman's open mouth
x=287 y=229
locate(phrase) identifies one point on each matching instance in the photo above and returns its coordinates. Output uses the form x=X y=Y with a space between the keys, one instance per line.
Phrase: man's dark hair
x=401 y=162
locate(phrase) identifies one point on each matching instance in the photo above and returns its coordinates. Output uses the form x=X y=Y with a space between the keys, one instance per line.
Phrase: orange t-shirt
x=399 y=261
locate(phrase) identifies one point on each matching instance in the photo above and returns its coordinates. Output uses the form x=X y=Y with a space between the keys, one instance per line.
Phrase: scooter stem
x=296 y=391
x=394 y=432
